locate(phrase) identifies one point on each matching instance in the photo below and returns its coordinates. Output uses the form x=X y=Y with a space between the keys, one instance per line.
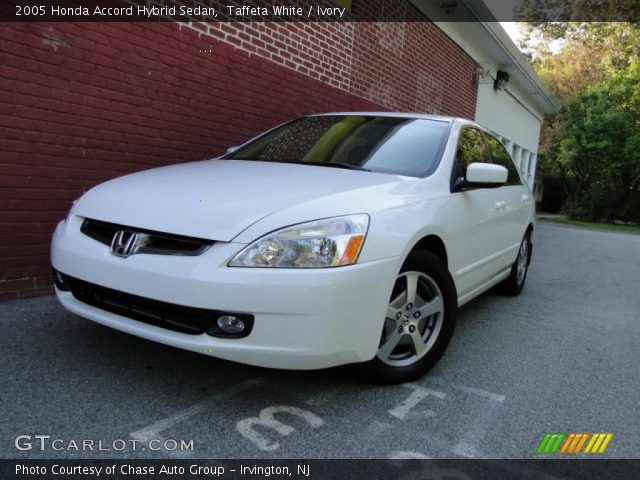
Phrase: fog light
x=59 y=281
x=230 y=324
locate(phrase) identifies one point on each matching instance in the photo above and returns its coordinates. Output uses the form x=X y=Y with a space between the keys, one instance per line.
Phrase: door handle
x=500 y=204
x=525 y=198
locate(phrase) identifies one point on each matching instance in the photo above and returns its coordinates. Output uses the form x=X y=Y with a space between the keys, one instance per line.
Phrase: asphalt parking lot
x=562 y=357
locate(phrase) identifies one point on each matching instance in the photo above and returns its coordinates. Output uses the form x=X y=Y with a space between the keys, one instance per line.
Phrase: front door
x=475 y=220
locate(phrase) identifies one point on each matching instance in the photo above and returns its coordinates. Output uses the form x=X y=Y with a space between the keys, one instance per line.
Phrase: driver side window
x=471 y=149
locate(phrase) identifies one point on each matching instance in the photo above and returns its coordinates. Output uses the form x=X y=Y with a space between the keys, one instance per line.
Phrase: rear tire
x=419 y=322
x=514 y=283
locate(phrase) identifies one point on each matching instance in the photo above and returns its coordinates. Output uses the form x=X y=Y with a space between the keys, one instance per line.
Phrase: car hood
x=216 y=199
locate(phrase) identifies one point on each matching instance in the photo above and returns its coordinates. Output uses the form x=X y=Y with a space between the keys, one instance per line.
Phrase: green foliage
x=589 y=52
x=556 y=15
x=597 y=150
x=593 y=144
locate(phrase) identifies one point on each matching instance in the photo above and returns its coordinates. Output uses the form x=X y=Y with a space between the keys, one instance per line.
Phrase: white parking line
x=472 y=390
x=154 y=430
x=407 y=455
x=469 y=445
x=377 y=429
x=419 y=393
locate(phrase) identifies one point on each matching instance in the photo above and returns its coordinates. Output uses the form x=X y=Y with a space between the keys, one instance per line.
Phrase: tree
x=589 y=52
x=556 y=16
x=596 y=148
x=593 y=144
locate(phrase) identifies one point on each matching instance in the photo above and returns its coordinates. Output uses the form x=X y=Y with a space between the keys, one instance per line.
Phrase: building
x=88 y=101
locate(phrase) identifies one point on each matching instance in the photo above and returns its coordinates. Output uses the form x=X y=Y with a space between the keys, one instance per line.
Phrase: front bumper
x=304 y=319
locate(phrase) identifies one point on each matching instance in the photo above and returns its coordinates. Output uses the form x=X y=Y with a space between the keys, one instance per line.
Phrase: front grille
x=179 y=318
x=153 y=242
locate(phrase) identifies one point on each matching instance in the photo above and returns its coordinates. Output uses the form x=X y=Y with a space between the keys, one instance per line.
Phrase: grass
x=612 y=227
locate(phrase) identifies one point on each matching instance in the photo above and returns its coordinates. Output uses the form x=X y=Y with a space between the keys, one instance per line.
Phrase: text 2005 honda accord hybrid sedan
x=332 y=239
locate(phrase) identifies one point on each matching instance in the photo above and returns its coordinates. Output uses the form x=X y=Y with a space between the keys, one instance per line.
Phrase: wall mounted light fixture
x=502 y=78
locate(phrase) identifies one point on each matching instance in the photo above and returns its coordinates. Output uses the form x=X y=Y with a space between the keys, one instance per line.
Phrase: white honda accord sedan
x=332 y=239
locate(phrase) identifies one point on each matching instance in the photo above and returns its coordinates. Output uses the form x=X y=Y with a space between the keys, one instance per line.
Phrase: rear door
x=514 y=201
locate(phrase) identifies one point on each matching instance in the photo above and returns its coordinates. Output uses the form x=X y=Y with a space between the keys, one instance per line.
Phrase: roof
x=423 y=116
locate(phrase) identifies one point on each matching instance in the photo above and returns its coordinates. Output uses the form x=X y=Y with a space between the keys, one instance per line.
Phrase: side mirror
x=232 y=149
x=482 y=175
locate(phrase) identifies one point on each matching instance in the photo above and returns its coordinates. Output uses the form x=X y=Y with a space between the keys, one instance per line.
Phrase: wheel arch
x=529 y=232
x=434 y=244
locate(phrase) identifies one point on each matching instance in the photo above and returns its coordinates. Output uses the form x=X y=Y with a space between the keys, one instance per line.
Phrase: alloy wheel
x=413 y=319
x=523 y=259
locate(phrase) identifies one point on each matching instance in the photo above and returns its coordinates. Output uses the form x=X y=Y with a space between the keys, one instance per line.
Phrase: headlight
x=330 y=242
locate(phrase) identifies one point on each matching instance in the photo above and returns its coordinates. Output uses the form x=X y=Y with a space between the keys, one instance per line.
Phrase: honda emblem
x=124 y=243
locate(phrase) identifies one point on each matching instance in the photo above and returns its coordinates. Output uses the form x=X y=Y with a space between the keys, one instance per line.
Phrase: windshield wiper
x=348 y=166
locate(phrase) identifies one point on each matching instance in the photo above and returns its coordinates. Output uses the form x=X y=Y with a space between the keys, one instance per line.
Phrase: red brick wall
x=82 y=103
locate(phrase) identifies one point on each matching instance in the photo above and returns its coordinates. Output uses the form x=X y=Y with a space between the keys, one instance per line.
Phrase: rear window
x=403 y=146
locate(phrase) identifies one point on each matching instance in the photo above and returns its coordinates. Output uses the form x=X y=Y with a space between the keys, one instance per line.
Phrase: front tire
x=419 y=321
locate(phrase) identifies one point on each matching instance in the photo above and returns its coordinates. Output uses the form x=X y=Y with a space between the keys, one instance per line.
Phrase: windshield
x=402 y=146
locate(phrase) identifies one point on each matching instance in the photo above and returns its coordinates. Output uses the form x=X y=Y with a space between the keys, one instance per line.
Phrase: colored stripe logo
x=573 y=443
x=598 y=443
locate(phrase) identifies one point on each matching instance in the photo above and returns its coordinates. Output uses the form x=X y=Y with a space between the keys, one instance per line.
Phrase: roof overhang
x=480 y=27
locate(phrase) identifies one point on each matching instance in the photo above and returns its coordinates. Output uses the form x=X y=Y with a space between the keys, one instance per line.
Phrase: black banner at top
x=319 y=10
